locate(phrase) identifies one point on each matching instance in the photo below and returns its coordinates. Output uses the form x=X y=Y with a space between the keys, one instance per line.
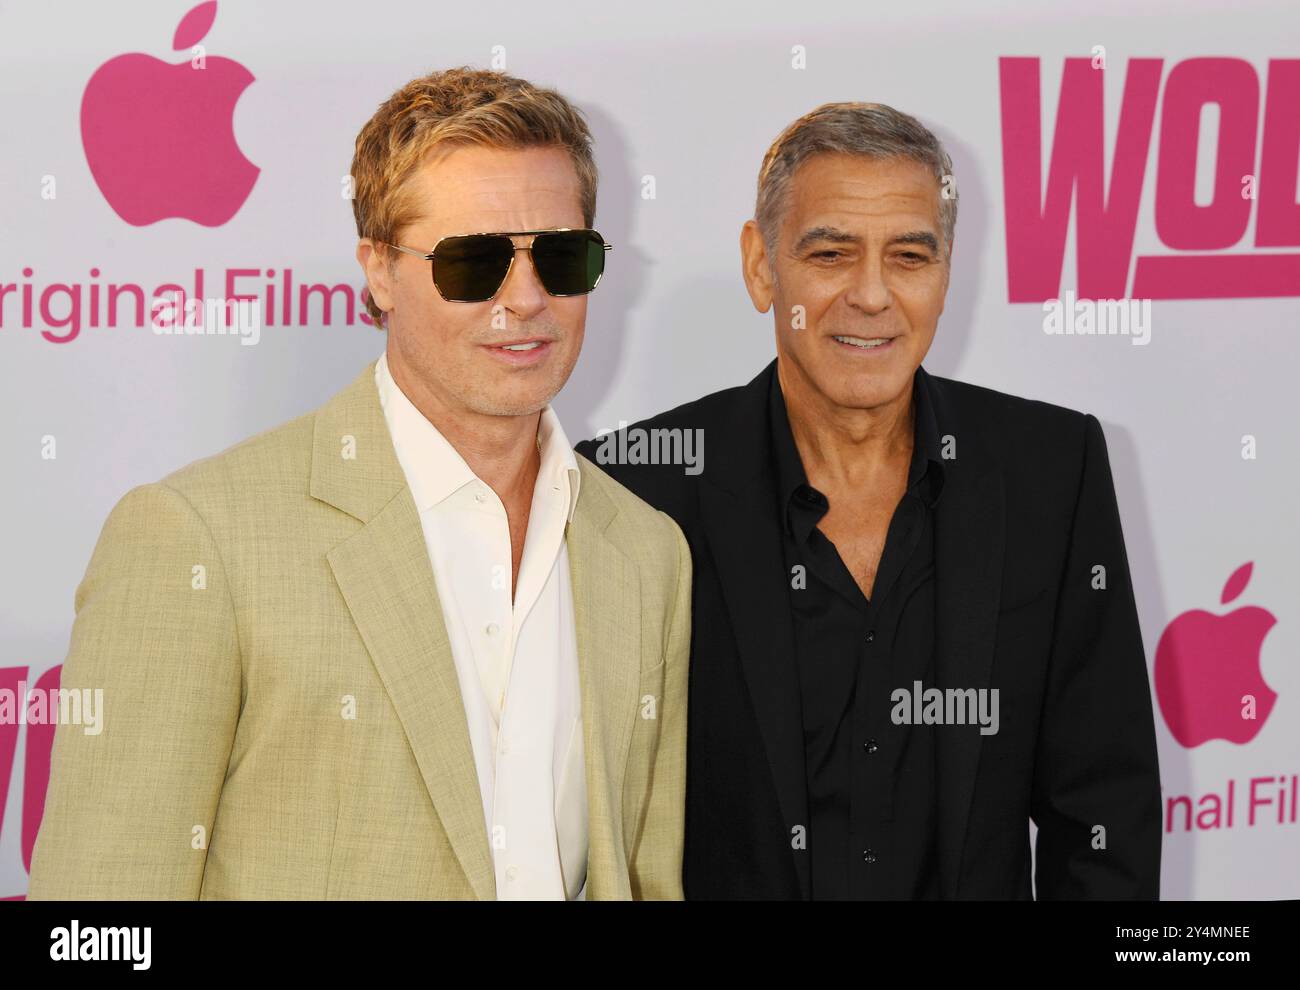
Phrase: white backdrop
x=690 y=94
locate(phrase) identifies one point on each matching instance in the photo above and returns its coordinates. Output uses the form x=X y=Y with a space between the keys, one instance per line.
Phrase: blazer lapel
x=384 y=574
x=969 y=545
x=738 y=506
x=607 y=617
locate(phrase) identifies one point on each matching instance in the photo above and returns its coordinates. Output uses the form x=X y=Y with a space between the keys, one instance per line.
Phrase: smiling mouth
x=864 y=343
x=530 y=352
x=528 y=344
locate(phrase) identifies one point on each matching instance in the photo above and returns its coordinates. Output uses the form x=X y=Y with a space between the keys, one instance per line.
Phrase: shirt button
x=868 y=856
x=492 y=629
x=480 y=495
x=871 y=635
x=870 y=746
x=511 y=873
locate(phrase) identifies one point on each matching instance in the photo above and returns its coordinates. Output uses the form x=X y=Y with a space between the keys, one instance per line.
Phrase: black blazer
x=1028 y=510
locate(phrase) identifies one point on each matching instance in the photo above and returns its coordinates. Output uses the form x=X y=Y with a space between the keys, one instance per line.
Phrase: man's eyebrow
x=837 y=236
x=833 y=234
x=923 y=237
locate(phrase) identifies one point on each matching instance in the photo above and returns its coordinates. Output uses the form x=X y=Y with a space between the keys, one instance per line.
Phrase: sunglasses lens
x=569 y=262
x=471 y=268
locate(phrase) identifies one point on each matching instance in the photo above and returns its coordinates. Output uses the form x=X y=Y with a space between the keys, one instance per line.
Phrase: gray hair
x=872 y=130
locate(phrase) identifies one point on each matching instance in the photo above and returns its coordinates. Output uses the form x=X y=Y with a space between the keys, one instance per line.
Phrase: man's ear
x=755 y=266
x=374 y=263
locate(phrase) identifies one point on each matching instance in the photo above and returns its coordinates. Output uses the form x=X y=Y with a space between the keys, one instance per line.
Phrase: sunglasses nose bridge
x=537 y=276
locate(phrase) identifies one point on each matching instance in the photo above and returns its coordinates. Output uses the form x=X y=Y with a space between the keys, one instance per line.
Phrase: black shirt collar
x=924 y=475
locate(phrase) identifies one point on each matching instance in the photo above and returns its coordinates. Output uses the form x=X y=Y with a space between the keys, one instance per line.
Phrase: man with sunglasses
x=409 y=645
x=915 y=629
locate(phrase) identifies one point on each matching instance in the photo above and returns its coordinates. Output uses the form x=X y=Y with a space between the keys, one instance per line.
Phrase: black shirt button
x=870 y=746
x=871 y=635
x=868 y=856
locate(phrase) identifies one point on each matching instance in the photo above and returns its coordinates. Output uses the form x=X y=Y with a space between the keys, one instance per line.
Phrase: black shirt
x=871 y=784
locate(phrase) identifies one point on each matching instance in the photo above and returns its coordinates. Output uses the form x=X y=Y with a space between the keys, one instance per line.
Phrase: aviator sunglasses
x=473 y=267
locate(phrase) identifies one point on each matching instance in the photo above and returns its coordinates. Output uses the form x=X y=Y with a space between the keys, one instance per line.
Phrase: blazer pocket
x=650 y=686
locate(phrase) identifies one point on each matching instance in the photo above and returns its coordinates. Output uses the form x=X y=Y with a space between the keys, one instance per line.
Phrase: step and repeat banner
x=1128 y=244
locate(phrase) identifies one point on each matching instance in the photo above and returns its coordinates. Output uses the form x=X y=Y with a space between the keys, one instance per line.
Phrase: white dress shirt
x=517 y=662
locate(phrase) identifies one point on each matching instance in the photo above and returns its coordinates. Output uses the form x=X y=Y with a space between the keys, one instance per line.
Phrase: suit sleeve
x=656 y=868
x=1096 y=783
x=129 y=810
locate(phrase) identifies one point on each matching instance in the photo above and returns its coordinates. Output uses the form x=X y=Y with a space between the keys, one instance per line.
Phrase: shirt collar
x=559 y=465
x=439 y=471
x=926 y=464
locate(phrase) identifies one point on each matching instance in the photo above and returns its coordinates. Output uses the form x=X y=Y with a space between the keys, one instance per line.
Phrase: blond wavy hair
x=448 y=109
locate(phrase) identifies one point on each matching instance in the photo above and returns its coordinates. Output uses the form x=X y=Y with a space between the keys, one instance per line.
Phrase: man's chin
x=864 y=394
x=508 y=403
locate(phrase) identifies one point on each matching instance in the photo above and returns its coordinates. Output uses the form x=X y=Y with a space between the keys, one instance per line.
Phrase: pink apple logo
x=1206 y=663
x=160 y=138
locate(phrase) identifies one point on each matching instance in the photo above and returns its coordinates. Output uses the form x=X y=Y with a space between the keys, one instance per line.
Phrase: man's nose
x=522 y=293
x=870 y=290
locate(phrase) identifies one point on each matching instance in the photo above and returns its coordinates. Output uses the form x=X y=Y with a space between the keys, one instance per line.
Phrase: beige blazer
x=236 y=614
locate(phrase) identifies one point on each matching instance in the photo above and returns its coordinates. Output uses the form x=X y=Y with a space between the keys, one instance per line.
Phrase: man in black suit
x=914 y=629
